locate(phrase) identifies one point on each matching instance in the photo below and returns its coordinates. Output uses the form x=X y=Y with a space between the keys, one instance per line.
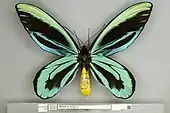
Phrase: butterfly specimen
x=94 y=60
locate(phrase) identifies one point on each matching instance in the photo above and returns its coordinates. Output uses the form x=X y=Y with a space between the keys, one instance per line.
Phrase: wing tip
x=150 y=4
x=147 y=4
x=35 y=90
x=18 y=5
x=129 y=96
x=21 y=4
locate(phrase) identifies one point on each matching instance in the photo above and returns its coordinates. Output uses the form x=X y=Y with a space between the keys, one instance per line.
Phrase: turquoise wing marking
x=55 y=76
x=112 y=75
x=50 y=36
x=48 y=33
x=123 y=30
x=118 y=35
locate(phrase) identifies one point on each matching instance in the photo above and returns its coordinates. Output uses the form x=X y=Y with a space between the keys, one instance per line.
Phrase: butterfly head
x=84 y=57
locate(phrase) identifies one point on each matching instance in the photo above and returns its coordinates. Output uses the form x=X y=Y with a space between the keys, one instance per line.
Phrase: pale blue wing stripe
x=52 y=73
x=46 y=48
x=64 y=80
x=66 y=49
x=121 y=47
x=111 y=70
x=62 y=61
x=122 y=31
x=48 y=33
x=99 y=74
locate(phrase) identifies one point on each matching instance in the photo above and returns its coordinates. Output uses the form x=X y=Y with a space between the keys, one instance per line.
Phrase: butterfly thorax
x=84 y=57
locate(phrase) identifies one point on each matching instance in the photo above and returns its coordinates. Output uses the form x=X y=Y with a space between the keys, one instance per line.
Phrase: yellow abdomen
x=85 y=87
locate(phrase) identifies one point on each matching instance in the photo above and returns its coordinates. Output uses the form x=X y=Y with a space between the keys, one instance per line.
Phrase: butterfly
x=53 y=37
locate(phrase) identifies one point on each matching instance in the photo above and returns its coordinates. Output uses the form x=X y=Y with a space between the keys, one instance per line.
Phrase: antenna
x=88 y=37
x=78 y=40
x=95 y=33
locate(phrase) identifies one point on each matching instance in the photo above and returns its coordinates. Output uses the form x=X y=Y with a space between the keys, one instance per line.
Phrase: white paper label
x=42 y=108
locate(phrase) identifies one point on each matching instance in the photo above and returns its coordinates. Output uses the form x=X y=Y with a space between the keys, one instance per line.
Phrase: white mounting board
x=83 y=108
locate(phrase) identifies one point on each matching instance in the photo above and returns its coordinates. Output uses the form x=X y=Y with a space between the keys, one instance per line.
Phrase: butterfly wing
x=114 y=76
x=51 y=37
x=119 y=34
x=123 y=30
x=56 y=75
x=49 y=34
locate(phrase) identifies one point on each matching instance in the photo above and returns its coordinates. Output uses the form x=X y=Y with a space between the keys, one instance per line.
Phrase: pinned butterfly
x=94 y=60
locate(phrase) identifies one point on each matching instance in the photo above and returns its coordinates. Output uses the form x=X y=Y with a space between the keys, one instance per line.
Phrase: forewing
x=45 y=31
x=112 y=75
x=122 y=31
x=56 y=75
